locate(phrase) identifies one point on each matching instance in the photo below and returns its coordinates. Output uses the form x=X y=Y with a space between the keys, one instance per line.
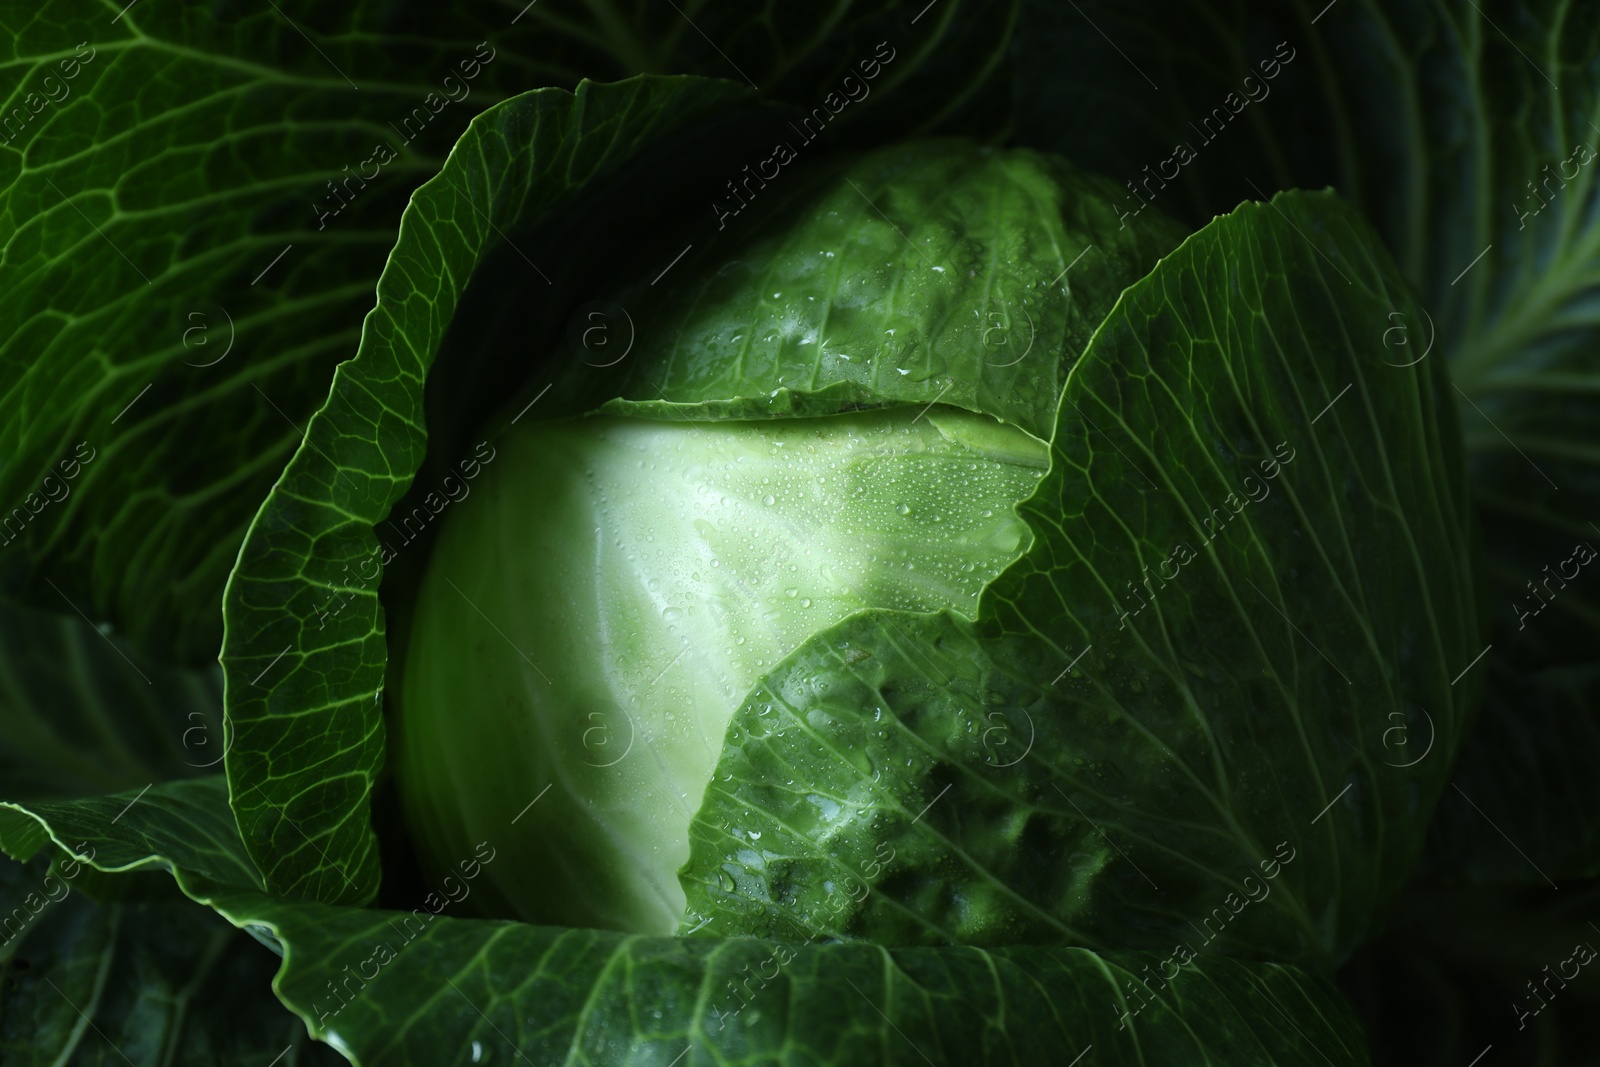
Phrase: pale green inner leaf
x=673 y=566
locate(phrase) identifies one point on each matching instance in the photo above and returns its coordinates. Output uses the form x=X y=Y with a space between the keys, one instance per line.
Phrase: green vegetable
x=885 y=532
x=737 y=675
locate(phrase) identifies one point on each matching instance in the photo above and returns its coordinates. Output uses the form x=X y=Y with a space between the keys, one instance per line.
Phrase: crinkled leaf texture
x=1241 y=633
x=928 y=271
x=459 y=991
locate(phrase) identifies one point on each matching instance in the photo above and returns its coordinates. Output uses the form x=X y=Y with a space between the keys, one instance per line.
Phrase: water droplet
x=903 y=509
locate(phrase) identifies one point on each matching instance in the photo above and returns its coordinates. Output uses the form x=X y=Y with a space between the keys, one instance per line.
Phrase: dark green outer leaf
x=97 y=967
x=181 y=826
x=1082 y=769
x=140 y=216
x=1524 y=804
x=154 y=983
x=1449 y=976
x=590 y=997
x=83 y=713
x=1460 y=127
x=1432 y=116
x=1541 y=725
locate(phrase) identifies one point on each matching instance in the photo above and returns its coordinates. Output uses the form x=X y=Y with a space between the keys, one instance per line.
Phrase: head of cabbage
x=793 y=598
